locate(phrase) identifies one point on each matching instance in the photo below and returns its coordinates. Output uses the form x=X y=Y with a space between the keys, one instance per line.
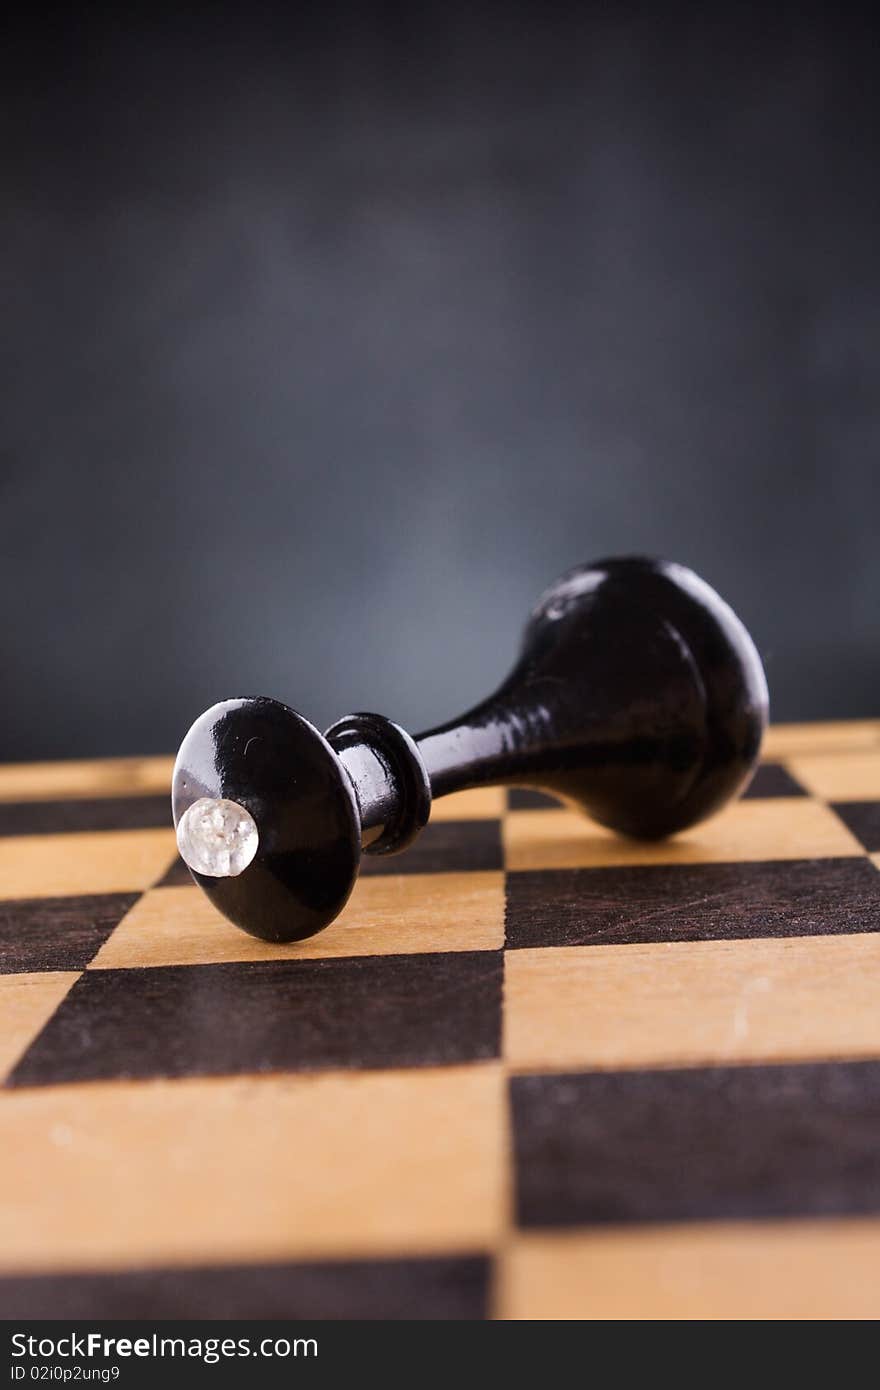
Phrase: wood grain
x=116 y=861
x=847 y=777
x=254 y=1169
x=773 y=1270
x=863 y=819
x=641 y=903
x=385 y=915
x=26 y=1003
x=361 y=1012
x=773 y=779
x=830 y=738
x=58 y=933
x=682 y=1004
x=436 y=1287
x=443 y=847
x=478 y=803
x=107 y=777
x=715 y=1143
x=75 y=814
x=759 y=829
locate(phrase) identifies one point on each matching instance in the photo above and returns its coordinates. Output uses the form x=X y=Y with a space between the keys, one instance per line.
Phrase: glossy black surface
x=638 y=696
x=390 y=779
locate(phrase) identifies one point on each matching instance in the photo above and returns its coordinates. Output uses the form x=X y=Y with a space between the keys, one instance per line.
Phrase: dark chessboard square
x=772 y=779
x=863 y=819
x=697 y=1145
x=177 y=876
x=692 y=902
x=444 y=846
x=442 y=1288
x=270 y=1016
x=58 y=933
x=524 y=799
x=101 y=813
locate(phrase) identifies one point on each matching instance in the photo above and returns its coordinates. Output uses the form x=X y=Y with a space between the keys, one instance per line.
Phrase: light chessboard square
x=252 y=1169
x=386 y=915
x=692 y=1003
x=113 y=861
x=746 y=1270
x=849 y=776
x=750 y=830
x=27 y=1002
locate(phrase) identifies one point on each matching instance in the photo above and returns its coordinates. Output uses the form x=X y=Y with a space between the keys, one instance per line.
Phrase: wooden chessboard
x=533 y=1070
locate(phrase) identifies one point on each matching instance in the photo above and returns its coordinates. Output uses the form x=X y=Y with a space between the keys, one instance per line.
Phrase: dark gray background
x=330 y=340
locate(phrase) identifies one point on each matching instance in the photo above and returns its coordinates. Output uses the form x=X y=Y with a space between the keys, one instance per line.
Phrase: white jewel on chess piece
x=217 y=837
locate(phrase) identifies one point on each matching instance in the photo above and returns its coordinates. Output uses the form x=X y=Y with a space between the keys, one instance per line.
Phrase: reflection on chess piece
x=638 y=696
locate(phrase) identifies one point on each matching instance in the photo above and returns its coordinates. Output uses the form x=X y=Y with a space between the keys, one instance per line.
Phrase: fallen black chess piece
x=638 y=696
